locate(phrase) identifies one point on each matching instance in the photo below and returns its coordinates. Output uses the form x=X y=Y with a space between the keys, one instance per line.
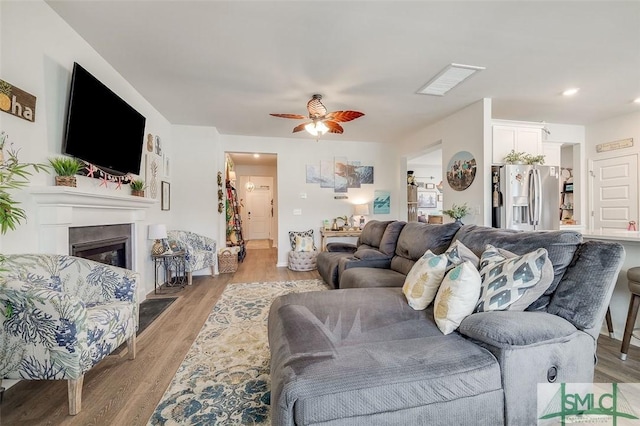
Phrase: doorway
x=256 y=183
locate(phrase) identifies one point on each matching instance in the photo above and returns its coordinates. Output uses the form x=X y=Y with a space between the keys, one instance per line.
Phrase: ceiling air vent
x=448 y=78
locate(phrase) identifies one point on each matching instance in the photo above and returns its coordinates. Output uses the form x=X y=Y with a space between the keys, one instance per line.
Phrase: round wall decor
x=461 y=170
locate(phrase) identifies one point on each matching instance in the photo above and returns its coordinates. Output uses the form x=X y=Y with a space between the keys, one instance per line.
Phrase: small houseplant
x=13 y=175
x=514 y=157
x=534 y=159
x=66 y=168
x=457 y=212
x=137 y=187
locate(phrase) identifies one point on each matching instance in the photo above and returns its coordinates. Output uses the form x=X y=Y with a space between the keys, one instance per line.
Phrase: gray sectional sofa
x=363 y=356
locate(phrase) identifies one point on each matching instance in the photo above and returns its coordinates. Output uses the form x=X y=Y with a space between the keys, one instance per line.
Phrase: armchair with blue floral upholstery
x=200 y=251
x=61 y=315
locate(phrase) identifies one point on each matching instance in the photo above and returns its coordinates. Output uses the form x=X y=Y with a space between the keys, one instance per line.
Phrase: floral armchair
x=200 y=251
x=60 y=315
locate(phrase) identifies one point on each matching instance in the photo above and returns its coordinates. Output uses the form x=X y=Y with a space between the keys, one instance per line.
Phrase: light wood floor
x=118 y=391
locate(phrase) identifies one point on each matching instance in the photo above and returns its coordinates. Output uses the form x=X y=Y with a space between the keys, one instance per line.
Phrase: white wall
x=319 y=204
x=466 y=130
x=617 y=128
x=37 y=52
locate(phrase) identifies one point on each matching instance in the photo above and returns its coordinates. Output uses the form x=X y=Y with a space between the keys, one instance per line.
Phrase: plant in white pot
x=13 y=175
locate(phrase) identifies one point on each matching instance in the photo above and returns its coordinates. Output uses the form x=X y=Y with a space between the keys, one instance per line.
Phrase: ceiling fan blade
x=316 y=108
x=294 y=116
x=343 y=116
x=333 y=126
x=299 y=127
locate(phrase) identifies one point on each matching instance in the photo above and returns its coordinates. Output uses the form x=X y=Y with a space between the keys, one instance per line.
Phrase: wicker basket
x=227 y=262
x=66 y=181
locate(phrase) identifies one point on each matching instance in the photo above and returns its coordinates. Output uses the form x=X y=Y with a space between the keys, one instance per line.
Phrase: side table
x=174 y=267
x=326 y=233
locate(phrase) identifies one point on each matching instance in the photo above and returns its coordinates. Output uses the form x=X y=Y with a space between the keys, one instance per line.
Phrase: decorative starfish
x=91 y=170
x=119 y=183
x=105 y=180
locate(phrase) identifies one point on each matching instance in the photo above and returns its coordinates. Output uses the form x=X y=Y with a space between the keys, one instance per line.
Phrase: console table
x=174 y=266
x=327 y=233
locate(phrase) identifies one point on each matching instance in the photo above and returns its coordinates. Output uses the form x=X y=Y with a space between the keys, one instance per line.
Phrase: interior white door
x=614 y=192
x=258 y=214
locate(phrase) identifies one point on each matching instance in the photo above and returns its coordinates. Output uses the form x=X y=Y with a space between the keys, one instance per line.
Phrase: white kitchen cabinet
x=552 y=153
x=520 y=139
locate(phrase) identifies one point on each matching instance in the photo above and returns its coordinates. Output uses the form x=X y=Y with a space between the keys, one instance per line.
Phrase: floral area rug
x=224 y=378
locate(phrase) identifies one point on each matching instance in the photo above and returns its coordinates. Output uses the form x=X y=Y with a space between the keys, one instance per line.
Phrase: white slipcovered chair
x=303 y=255
x=200 y=251
x=61 y=315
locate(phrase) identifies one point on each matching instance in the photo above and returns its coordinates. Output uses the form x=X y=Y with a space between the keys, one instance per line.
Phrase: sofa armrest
x=354 y=262
x=341 y=247
x=370 y=254
x=503 y=329
x=43 y=327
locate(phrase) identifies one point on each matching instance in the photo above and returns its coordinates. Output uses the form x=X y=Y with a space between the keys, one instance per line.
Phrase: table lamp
x=361 y=210
x=157 y=232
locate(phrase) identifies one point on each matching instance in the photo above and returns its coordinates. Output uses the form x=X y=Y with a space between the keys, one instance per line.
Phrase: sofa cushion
x=390 y=237
x=422 y=281
x=456 y=297
x=294 y=234
x=371 y=277
x=416 y=238
x=372 y=233
x=511 y=282
x=458 y=253
x=560 y=245
x=304 y=244
x=360 y=355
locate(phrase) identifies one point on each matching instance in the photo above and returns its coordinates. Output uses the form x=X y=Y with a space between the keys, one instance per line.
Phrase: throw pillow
x=511 y=282
x=456 y=297
x=424 y=278
x=458 y=253
x=293 y=234
x=304 y=243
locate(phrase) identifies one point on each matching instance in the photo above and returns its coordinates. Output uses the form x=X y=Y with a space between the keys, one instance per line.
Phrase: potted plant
x=66 y=168
x=514 y=157
x=137 y=187
x=458 y=212
x=534 y=159
x=13 y=175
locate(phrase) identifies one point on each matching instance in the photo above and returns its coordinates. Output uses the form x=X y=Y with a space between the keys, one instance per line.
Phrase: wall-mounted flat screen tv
x=101 y=127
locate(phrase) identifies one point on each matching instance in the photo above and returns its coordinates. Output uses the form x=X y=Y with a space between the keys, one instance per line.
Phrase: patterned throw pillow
x=424 y=278
x=456 y=297
x=293 y=234
x=458 y=253
x=304 y=244
x=511 y=282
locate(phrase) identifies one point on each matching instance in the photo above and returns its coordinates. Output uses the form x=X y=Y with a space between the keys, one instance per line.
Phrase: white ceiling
x=229 y=64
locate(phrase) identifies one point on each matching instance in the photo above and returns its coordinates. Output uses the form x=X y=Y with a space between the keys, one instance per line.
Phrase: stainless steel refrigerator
x=526 y=197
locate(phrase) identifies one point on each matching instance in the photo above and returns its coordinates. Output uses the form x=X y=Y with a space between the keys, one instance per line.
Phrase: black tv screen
x=102 y=129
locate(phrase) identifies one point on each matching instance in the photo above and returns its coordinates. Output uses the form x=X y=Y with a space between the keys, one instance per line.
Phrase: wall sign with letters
x=610 y=146
x=17 y=102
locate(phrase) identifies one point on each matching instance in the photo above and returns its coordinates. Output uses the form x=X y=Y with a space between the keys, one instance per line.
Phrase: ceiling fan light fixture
x=448 y=78
x=316 y=128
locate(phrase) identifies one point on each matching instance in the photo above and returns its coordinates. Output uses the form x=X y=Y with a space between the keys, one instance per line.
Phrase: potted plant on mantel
x=13 y=175
x=66 y=169
x=137 y=187
x=457 y=212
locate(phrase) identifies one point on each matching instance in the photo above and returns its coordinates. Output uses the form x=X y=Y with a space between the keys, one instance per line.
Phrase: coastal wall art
x=339 y=174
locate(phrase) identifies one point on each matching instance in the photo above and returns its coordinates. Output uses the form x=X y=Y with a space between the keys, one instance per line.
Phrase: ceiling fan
x=321 y=121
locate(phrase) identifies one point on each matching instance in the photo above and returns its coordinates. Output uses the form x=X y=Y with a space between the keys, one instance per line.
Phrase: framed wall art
x=461 y=170
x=427 y=199
x=166 y=195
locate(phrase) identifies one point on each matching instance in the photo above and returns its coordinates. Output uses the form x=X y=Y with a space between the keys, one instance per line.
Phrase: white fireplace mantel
x=74 y=197
x=62 y=207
